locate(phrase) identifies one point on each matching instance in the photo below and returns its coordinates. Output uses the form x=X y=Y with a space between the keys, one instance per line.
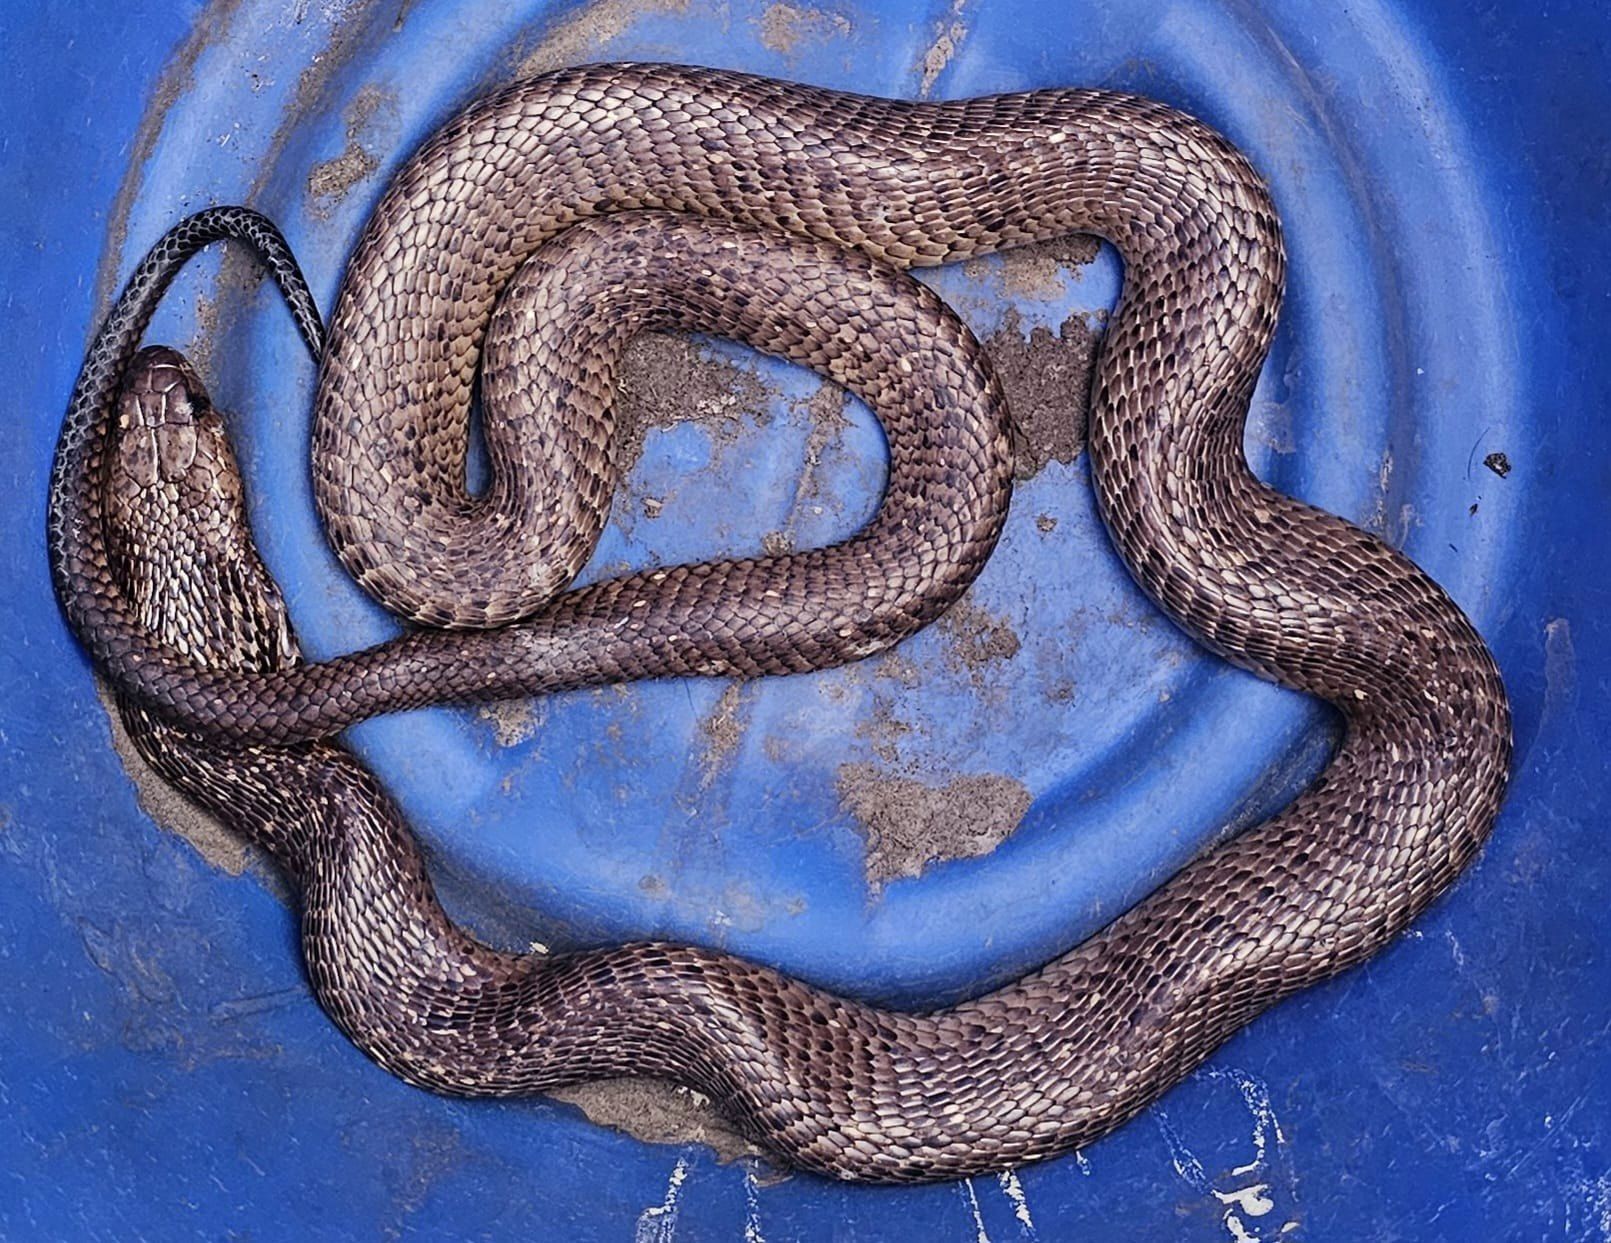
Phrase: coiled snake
x=819 y=197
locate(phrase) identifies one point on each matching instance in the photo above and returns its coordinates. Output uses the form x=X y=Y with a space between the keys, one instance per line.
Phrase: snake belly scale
x=209 y=675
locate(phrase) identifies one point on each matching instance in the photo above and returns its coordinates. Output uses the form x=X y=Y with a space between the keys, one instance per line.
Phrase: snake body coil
x=209 y=671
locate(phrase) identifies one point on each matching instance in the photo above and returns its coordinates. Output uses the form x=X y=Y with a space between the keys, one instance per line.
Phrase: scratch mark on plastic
x=1456 y=951
x=261 y=1003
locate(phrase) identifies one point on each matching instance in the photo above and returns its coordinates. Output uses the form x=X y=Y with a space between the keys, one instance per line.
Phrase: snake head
x=177 y=532
x=156 y=417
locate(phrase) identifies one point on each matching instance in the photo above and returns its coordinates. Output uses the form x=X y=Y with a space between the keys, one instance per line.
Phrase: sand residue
x=657 y=1112
x=1047 y=380
x=949 y=33
x=1038 y=269
x=331 y=180
x=581 y=35
x=723 y=730
x=784 y=26
x=220 y=846
x=513 y=721
x=977 y=638
x=910 y=824
x=667 y=380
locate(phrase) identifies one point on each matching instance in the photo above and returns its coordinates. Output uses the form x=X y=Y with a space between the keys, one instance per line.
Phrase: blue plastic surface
x=1443 y=178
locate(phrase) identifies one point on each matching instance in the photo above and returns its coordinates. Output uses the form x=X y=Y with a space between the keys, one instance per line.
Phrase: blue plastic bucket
x=1442 y=176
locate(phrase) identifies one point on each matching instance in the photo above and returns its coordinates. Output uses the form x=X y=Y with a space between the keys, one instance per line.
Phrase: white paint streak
x=1247 y=1198
x=658 y=1223
x=972 y=1200
x=1239 y=1232
x=1456 y=951
x=1014 y=1191
x=752 y=1206
x=1187 y=1166
x=1256 y=1096
x=1251 y=1200
x=1081 y=1161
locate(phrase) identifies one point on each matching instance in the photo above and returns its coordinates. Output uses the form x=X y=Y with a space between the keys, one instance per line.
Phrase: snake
x=465 y=271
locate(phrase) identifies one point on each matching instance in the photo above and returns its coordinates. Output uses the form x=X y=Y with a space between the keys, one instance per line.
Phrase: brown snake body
x=1302 y=597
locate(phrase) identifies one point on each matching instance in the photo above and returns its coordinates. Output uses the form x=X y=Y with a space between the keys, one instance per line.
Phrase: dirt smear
x=658 y=1112
x=785 y=26
x=667 y=379
x=825 y=411
x=883 y=730
x=419 y=1163
x=238 y=284
x=723 y=730
x=1047 y=380
x=240 y=279
x=582 y=35
x=513 y=721
x=1282 y=781
x=1376 y=521
x=977 y=638
x=909 y=824
x=312 y=85
x=949 y=33
x=205 y=338
x=895 y=666
x=331 y=180
x=219 y=846
x=176 y=78
x=1038 y=269
x=1560 y=674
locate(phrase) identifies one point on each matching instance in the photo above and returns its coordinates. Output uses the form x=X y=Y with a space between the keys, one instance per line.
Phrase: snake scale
x=551 y=197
